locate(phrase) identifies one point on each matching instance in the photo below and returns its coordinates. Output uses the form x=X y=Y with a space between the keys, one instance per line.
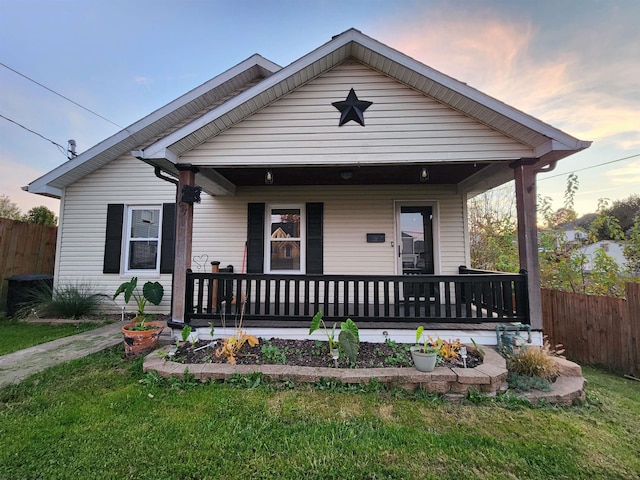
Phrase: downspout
x=158 y=173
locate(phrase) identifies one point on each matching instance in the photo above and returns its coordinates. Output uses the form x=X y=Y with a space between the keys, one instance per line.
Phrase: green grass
x=100 y=417
x=17 y=334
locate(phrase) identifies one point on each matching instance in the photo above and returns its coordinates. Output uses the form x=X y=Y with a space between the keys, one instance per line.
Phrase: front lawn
x=17 y=334
x=100 y=417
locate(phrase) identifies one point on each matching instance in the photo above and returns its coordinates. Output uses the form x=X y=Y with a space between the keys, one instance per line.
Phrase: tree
x=42 y=216
x=8 y=209
x=493 y=231
x=632 y=249
x=623 y=211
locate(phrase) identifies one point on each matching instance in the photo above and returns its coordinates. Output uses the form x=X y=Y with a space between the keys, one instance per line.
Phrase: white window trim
x=303 y=237
x=126 y=238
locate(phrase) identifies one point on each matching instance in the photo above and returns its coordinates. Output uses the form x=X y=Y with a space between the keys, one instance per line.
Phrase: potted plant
x=141 y=335
x=424 y=356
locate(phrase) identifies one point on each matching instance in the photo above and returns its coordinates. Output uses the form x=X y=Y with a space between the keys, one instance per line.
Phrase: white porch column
x=525 y=183
x=184 y=235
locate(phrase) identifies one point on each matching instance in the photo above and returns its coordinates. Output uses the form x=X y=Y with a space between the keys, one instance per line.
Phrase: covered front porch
x=312 y=171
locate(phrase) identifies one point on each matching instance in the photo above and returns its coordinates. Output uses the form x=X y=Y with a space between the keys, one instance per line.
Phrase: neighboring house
x=347 y=143
x=614 y=249
x=574 y=236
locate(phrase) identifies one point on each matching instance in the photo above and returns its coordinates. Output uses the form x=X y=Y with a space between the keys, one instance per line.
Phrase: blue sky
x=571 y=63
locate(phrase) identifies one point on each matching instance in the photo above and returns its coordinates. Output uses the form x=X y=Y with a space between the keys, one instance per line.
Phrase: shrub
x=523 y=383
x=535 y=361
x=67 y=301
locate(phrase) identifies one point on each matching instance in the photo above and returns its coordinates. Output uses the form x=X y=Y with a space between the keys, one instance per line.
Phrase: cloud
x=628 y=174
x=142 y=80
x=591 y=93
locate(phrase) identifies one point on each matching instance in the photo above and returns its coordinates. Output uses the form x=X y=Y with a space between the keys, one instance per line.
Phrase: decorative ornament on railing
x=199 y=263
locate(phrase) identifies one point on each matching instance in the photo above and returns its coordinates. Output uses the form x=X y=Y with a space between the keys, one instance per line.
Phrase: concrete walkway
x=16 y=366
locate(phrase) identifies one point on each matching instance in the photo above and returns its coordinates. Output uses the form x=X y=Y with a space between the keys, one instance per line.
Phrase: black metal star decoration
x=352 y=109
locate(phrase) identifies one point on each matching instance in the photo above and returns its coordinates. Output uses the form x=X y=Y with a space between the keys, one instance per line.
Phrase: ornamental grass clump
x=536 y=361
x=67 y=301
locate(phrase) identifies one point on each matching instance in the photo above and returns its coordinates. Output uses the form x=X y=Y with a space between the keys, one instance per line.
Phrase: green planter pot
x=425 y=362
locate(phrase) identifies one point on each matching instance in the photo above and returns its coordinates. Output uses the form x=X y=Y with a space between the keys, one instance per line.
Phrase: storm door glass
x=285 y=240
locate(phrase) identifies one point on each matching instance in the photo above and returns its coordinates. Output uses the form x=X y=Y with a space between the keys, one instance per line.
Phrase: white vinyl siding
x=401 y=126
x=350 y=212
x=125 y=180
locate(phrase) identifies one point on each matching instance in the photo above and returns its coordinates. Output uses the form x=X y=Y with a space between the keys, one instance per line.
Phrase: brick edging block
x=491 y=373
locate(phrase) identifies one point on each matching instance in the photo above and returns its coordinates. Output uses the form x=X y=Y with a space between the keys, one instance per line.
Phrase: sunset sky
x=574 y=64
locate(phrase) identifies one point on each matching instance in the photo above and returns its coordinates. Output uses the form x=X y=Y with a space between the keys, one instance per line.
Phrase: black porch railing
x=473 y=296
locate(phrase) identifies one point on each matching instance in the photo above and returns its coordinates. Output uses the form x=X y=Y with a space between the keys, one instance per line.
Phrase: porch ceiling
x=360 y=175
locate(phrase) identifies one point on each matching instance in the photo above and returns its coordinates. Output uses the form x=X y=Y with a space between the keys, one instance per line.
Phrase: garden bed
x=314 y=353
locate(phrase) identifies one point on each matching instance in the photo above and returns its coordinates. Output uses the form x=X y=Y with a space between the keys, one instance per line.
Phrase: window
x=143 y=239
x=305 y=251
x=285 y=241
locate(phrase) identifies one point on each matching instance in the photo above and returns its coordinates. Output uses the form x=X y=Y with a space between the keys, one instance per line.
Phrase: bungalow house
x=343 y=155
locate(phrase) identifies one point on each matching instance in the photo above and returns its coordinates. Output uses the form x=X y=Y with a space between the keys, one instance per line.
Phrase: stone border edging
x=488 y=378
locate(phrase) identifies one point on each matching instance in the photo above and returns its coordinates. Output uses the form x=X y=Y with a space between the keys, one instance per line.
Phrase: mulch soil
x=312 y=353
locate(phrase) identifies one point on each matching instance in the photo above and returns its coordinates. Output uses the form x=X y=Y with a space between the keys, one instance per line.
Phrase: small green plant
x=348 y=338
x=427 y=342
x=152 y=292
x=478 y=348
x=186 y=331
x=400 y=354
x=524 y=383
x=273 y=354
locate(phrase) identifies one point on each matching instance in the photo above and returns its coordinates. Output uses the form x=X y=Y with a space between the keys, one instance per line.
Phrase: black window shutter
x=168 y=237
x=314 y=238
x=113 y=238
x=255 y=238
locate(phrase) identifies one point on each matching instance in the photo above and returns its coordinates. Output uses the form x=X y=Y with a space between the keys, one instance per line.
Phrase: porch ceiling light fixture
x=346 y=174
x=268 y=177
x=424 y=175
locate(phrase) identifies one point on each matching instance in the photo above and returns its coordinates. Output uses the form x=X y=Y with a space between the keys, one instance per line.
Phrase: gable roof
x=146 y=130
x=548 y=143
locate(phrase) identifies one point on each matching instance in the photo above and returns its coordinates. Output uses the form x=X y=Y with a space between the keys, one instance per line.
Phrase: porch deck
x=471 y=299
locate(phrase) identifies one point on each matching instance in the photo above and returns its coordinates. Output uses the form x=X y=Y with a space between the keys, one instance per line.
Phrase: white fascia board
x=553 y=145
x=43 y=189
x=156 y=154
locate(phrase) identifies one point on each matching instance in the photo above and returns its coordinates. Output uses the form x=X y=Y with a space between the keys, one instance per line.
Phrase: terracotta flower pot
x=137 y=342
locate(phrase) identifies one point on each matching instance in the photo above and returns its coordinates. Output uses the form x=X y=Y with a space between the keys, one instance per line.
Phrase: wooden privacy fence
x=24 y=248
x=595 y=330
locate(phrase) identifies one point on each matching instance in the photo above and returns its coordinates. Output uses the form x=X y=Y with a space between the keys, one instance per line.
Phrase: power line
x=60 y=95
x=592 y=166
x=60 y=147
